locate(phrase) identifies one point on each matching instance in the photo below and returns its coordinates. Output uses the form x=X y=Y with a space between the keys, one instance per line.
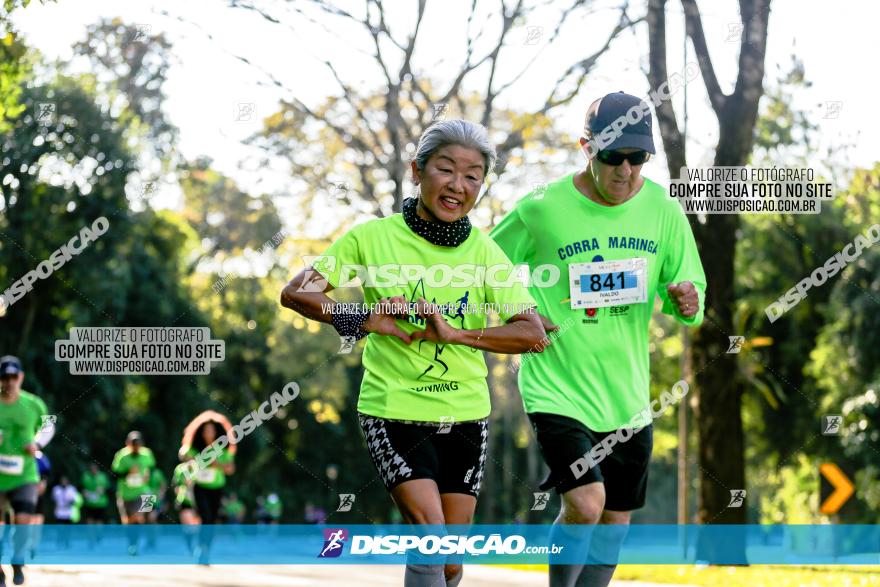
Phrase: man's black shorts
x=452 y=454
x=94 y=513
x=624 y=470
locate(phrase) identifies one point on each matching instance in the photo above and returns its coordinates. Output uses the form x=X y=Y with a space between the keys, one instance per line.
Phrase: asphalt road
x=266 y=576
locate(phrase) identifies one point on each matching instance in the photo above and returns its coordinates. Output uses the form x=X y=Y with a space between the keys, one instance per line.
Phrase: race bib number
x=92 y=496
x=608 y=283
x=134 y=480
x=11 y=464
x=208 y=475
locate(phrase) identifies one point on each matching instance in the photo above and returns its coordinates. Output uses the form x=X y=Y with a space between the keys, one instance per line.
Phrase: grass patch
x=751 y=576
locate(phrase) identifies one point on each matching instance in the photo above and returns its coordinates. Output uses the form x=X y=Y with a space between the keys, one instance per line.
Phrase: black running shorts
x=452 y=454
x=623 y=469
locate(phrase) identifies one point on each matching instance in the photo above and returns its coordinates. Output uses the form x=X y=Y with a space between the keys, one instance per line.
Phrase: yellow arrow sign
x=843 y=488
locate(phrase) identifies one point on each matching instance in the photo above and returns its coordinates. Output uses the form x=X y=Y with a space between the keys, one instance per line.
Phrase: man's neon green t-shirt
x=596 y=370
x=212 y=476
x=19 y=423
x=424 y=381
x=95 y=488
x=134 y=472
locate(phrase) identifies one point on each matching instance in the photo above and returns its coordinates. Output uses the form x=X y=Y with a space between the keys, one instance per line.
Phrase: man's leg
x=603 y=553
x=625 y=473
x=581 y=506
x=24 y=504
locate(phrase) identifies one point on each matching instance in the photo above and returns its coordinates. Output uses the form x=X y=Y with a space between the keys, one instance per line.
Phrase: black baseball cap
x=616 y=106
x=10 y=365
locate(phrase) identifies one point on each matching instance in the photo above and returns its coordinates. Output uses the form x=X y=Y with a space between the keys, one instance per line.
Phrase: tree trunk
x=718 y=414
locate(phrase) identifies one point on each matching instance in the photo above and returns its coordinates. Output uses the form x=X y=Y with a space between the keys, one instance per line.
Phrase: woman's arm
x=522 y=333
x=306 y=295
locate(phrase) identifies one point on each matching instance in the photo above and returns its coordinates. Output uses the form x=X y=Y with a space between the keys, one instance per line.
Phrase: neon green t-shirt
x=182 y=491
x=273 y=508
x=424 y=381
x=95 y=488
x=134 y=472
x=157 y=480
x=233 y=509
x=596 y=370
x=19 y=423
x=212 y=476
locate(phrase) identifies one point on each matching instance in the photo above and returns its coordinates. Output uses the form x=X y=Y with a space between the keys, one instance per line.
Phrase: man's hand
x=383 y=318
x=684 y=296
x=548 y=326
x=31 y=448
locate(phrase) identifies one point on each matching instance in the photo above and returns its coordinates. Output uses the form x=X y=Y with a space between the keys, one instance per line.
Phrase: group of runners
x=26 y=428
x=616 y=240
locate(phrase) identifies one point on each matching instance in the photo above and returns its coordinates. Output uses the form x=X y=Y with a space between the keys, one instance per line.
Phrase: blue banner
x=482 y=544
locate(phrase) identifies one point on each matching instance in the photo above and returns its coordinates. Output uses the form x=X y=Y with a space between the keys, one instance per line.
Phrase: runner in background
x=233 y=510
x=184 y=505
x=25 y=428
x=132 y=465
x=260 y=514
x=274 y=508
x=95 y=485
x=314 y=515
x=209 y=478
x=158 y=487
x=44 y=469
x=65 y=497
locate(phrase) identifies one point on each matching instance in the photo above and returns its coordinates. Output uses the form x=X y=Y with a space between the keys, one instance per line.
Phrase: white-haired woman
x=424 y=402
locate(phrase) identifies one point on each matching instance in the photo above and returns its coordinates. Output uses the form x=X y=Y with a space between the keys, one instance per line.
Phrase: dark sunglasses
x=616 y=158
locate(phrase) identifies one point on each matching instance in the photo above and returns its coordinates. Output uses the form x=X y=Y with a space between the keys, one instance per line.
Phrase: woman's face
x=209 y=433
x=450 y=182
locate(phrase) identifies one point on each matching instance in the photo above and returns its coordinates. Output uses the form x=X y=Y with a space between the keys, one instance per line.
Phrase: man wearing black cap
x=617 y=240
x=133 y=465
x=24 y=429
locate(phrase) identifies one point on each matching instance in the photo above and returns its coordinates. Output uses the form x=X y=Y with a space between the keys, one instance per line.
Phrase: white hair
x=455 y=132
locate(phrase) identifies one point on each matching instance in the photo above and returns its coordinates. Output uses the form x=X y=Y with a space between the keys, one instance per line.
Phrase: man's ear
x=415 y=171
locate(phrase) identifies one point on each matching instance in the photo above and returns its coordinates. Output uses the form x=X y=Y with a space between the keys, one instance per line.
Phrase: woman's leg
x=458 y=510
x=419 y=503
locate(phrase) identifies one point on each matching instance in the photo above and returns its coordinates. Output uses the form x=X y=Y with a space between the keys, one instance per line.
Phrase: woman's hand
x=436 y=327
x=384 y=315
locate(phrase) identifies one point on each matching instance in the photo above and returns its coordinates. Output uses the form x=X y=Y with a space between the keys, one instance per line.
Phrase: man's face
x=615 y=183
x=450 y=181
x=135 y=446
x=11 y=383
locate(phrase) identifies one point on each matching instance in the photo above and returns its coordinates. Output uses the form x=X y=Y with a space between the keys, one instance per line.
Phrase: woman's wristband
x=349 y=323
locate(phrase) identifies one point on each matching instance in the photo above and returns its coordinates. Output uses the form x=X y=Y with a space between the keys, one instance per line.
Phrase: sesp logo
x=334 y=540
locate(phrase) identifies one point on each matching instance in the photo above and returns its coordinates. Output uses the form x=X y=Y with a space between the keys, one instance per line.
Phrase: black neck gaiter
x=445 y=234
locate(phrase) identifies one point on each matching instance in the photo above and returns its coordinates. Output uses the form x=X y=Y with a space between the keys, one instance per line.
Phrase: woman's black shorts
x=452 y=454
